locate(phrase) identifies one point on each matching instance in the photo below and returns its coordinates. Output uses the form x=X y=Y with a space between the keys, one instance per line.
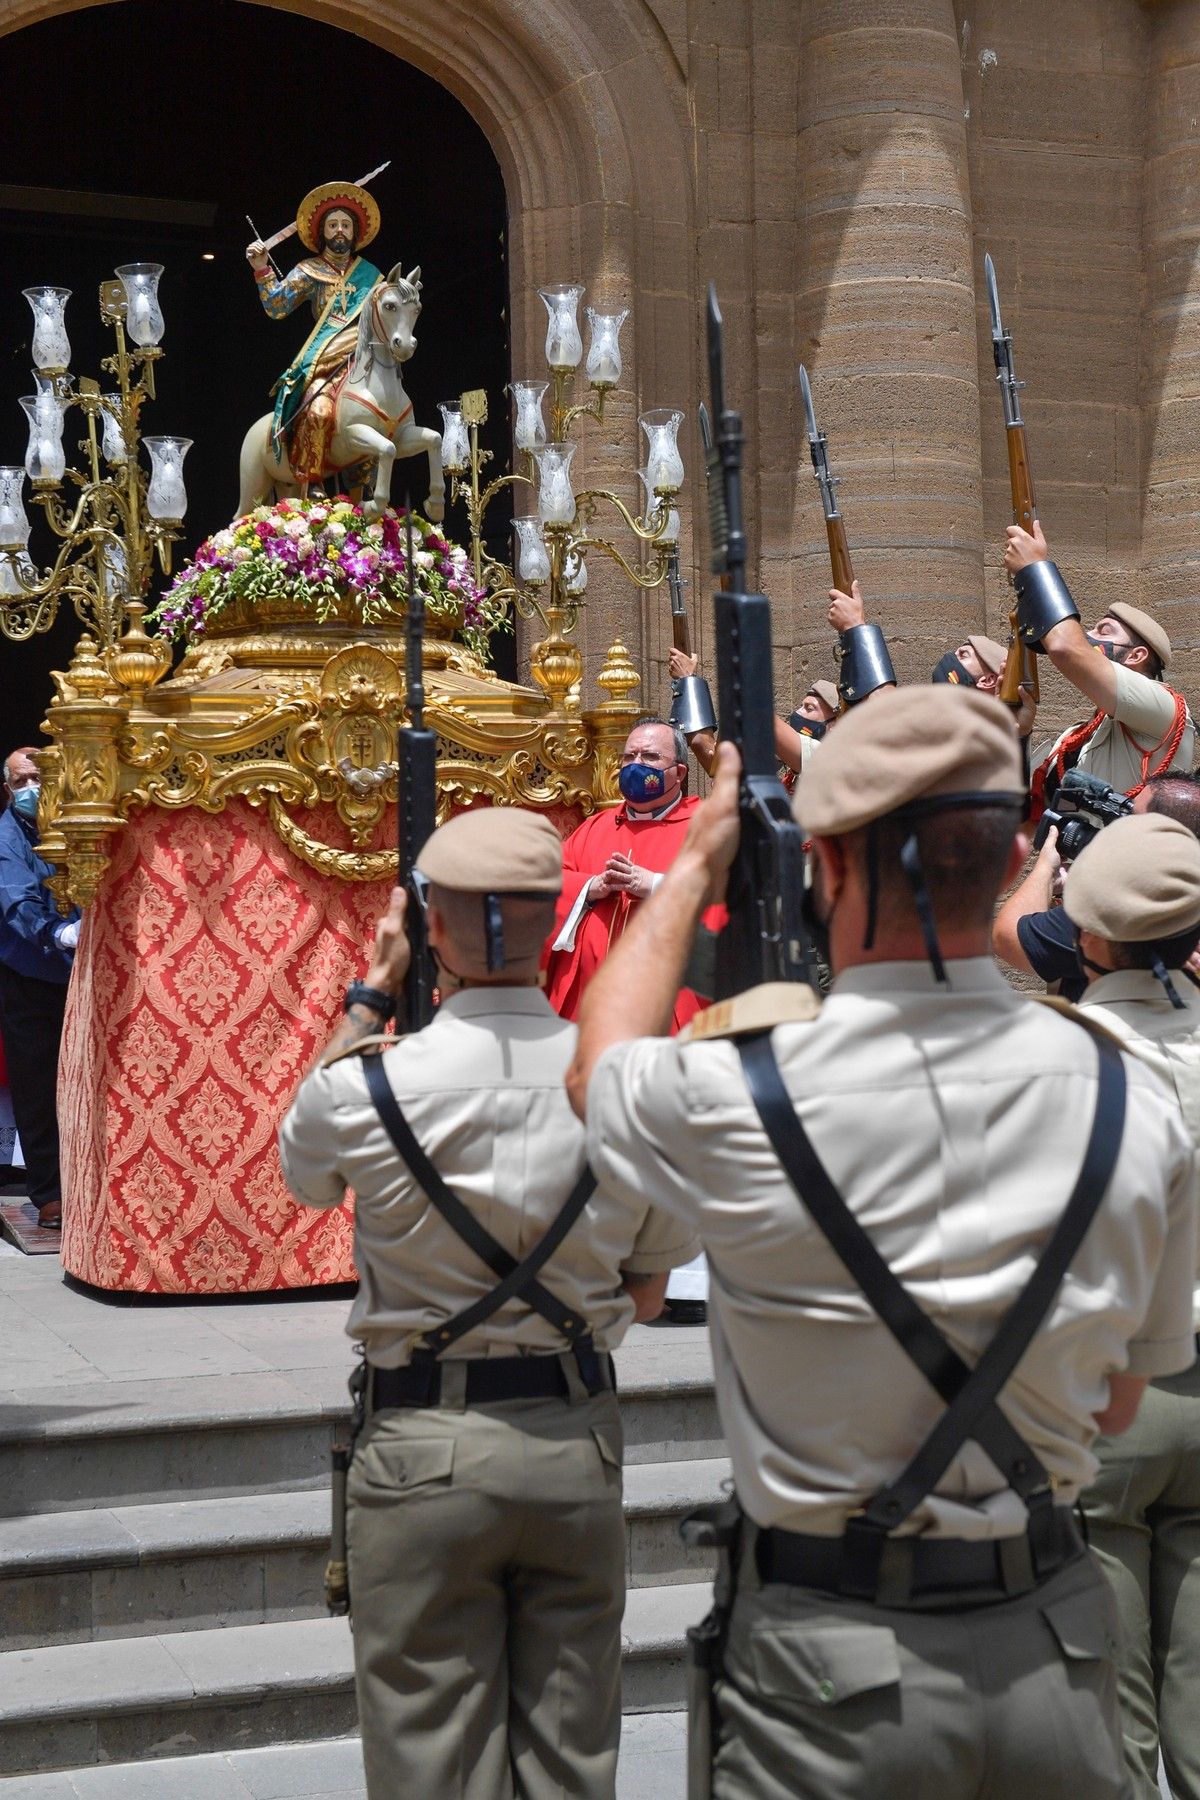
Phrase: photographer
x=1133 y=899
x=1141 y=727
x=1034 y=936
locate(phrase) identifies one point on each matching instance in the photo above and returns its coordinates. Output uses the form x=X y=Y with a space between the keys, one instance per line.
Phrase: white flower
x=424 y=559
x=317 y=515
x=304 y=546
x=223 y=541
x=241 y=554
x=335 y=532
x=296 y=528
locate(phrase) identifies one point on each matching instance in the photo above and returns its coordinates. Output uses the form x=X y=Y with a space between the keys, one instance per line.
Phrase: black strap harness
x=517 y=1280
x=970 y=1394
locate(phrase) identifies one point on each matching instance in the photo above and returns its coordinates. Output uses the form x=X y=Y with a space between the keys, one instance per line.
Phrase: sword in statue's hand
x=279 y=237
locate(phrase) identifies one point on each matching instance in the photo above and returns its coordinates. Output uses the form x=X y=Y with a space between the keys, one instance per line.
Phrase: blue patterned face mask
x=25 y=802
x=642 y=784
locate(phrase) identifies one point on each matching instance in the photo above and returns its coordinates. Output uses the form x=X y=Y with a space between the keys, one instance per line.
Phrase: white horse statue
x=372 y=417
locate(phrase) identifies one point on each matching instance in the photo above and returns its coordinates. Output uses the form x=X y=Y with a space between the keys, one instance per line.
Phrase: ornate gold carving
x=340 y=865
x=136 y=661
x=611 y=722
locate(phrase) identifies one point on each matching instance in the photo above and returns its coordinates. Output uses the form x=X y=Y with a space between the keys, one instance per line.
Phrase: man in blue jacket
x=37 y=948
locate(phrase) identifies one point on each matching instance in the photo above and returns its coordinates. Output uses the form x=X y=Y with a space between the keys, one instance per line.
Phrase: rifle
x=718 y=529
x=417 y=770
x=766 y=938
x=866 y=663
x=691 y=708
x=835 y=525
x=1020 y=668
x=681 y=636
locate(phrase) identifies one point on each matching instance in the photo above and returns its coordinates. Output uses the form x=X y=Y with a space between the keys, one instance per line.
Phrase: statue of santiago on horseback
x=340 y=403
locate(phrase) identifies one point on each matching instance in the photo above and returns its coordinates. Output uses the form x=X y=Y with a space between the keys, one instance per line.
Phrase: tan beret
x=827 y=694
x=1137 y=881
x=495 y=850
x=910 y=743
x=992 y=655
x=1144 y=627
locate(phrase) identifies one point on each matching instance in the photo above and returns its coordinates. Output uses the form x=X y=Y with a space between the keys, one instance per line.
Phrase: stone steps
x=651 y=1767
x=239 y=1686
x=103 y=1573
x=161 y=1562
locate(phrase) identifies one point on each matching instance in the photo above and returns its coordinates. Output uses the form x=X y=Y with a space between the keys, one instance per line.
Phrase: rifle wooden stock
x=1021 y=664
x=839 y=553
x=681 y=636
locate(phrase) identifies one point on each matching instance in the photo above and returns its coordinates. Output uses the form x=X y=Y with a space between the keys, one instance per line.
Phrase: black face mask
x=949 y=668
x=812 y=728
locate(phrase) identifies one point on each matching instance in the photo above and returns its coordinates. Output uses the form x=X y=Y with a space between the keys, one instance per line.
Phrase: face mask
x=949 y=668
x=1106 y=647
x=642 y=785
x=25 y=802
x=810 y=728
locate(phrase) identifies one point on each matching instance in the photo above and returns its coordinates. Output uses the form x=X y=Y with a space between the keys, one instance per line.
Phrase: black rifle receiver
x=766 y=938
x=417 y=764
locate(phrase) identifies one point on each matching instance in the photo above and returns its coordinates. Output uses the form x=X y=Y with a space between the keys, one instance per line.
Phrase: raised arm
x=1066 y=643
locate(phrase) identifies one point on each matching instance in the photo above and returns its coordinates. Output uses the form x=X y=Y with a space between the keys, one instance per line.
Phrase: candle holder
x=550 y=574
x=119 y=520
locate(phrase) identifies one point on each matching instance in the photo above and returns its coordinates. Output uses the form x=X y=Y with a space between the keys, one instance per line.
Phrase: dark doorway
x=154 y=130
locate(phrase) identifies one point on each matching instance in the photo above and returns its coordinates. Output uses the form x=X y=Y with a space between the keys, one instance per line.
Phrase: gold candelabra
x=549 y=576
x=121 y=519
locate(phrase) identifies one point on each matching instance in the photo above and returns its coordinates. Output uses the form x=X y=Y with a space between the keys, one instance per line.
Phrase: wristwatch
x=359 y=994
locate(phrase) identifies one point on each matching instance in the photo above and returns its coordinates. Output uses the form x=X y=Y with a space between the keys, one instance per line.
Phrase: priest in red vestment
x=616 y=859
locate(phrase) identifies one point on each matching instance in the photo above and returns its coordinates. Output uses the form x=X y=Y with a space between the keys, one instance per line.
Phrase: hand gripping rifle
x=1020 y=667
x=765 y=939
x=417 y=764
x=866 y=663
x=691 y=697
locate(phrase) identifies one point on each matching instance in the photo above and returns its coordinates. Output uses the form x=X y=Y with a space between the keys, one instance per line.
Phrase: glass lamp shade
x=112 y=441
x=533 y=559
x=664 y=465
x=604 y=350
x=456 y=444
x=670 y=531
x=45 y=458
x=564 y=346
x=114 y=569
x=17 y=573
x=14 y=525
x=166 y=497
x=143 y=315
x=556 y=496
x=575 y=574
x=51 y=345
x=529 y=432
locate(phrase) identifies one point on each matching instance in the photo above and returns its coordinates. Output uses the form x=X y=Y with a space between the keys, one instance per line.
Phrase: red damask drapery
x=209 y=973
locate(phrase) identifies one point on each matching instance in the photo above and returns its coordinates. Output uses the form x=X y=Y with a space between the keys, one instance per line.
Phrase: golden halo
x=323 y=199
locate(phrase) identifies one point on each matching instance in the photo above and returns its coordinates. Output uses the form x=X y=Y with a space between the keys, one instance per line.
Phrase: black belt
x=489 y=1378
x=923 y=1568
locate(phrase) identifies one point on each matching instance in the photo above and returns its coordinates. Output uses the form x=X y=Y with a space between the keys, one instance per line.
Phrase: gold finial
x=137 y=661
x=620 y=680
x=86 y=677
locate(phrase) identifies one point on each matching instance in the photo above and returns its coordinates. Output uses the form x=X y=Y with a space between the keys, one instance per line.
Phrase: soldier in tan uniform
x=485 y=1529
x=915 y=1614
x=1133 y=897
x=1140 y=726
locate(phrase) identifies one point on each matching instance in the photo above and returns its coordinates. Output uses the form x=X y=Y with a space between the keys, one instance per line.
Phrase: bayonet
x=835 y=530
x=1002 y=351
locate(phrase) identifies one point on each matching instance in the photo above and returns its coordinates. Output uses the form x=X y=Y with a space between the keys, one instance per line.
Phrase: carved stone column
x=887 y=320
x=1171 y=399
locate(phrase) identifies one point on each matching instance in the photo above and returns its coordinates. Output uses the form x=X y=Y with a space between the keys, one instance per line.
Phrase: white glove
x=68 y=935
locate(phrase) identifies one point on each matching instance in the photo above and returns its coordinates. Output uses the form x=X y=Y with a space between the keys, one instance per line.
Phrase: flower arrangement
x=322 y=554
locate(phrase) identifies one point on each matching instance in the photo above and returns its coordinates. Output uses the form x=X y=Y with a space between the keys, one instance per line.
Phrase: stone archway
x=588 y=120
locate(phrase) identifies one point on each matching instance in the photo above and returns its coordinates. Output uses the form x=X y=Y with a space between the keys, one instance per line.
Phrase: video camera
x=1083 y=805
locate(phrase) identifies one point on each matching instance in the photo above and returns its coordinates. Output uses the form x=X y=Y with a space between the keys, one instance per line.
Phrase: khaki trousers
x=1143 y=1514
x=832 y=1699
x=487 y=1574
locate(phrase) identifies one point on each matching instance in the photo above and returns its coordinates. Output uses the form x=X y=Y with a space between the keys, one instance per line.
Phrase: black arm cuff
x=866 y=664
x=1043 y=601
